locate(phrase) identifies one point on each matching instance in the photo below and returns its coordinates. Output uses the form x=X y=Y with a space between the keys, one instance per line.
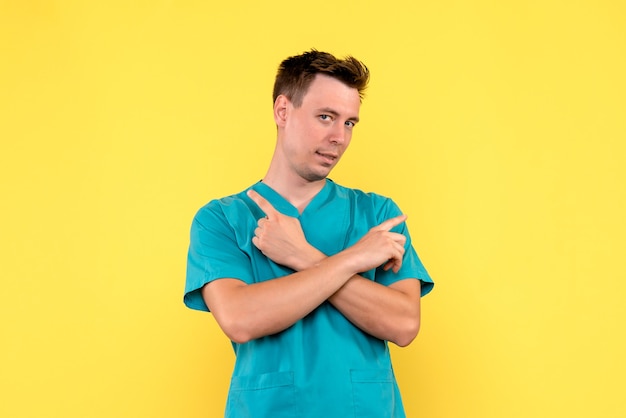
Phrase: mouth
x=328 y=158
x=329 y=155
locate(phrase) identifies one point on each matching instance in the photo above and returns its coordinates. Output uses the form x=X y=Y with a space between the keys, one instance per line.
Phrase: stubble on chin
x=313 y=176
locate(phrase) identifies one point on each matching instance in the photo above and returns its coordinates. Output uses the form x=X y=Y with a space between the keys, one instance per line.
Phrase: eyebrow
x=333 y=112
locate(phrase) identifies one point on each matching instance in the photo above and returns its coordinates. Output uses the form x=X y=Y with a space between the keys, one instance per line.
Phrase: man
x=309 y=279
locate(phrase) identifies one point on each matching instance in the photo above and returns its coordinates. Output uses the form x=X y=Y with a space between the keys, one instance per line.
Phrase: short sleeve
x=213 y=254
x=412 y=267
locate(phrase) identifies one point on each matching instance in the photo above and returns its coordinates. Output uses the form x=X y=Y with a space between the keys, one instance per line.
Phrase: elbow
x=407 y=333
x=242 y=326
x=224 y=302
x=239 y=337
x=236 y=330
x=237 y=334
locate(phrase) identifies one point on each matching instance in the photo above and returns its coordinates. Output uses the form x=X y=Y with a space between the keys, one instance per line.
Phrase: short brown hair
x=296 y=73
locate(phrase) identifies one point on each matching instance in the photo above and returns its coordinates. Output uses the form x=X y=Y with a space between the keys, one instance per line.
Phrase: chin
x=315 y=176
x=317 y=173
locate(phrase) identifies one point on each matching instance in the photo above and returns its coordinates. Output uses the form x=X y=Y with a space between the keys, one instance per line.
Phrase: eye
x=350 y=124
x=324 y=117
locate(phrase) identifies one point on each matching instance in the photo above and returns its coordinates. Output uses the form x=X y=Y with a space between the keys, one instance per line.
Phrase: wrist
x=309 y=258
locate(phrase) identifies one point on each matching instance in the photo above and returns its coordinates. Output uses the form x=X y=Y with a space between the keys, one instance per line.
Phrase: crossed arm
x=245 y=312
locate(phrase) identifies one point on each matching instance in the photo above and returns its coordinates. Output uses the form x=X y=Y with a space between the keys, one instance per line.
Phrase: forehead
x=328 y=91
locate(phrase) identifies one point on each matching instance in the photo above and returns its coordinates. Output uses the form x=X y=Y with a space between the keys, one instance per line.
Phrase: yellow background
x=498 y=127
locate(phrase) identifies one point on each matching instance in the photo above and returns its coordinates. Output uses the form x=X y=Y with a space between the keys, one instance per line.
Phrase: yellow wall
x=499 y=127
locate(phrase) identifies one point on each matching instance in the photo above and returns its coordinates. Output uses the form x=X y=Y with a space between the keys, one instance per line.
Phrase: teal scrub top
x=323 y=365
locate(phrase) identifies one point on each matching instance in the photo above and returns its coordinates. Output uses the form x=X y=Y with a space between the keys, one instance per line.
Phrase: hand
x=380 y=246
x=281 y=239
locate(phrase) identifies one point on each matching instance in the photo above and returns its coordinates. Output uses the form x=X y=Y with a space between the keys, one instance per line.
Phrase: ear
x=280 y=110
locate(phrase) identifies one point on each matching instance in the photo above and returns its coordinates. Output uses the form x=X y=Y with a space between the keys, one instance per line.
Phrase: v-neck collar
x=284 y=206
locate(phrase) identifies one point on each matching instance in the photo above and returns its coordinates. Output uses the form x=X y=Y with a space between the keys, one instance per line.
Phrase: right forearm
x=247 y=312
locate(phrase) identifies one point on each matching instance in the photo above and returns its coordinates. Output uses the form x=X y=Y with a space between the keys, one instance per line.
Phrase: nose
x=338 y=134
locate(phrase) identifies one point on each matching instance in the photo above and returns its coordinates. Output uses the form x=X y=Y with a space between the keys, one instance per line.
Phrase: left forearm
x=388 y=313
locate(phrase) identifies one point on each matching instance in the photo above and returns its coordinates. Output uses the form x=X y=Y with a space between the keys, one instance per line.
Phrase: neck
x=295 y=189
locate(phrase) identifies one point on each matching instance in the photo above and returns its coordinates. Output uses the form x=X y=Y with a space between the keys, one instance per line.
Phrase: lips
x=327 y=157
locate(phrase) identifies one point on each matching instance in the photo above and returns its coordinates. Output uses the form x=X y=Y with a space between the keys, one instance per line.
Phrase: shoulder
x=379 y=203
x=227 y=211
x=349 y=192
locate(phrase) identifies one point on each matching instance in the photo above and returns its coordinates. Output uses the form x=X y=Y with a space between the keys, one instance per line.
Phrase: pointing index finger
x=262 y=202
x=390 y=223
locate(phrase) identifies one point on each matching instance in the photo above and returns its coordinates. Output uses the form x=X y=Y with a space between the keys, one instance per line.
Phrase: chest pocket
x=260 y=396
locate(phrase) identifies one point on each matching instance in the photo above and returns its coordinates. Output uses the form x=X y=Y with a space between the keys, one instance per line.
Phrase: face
x=313 y=137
